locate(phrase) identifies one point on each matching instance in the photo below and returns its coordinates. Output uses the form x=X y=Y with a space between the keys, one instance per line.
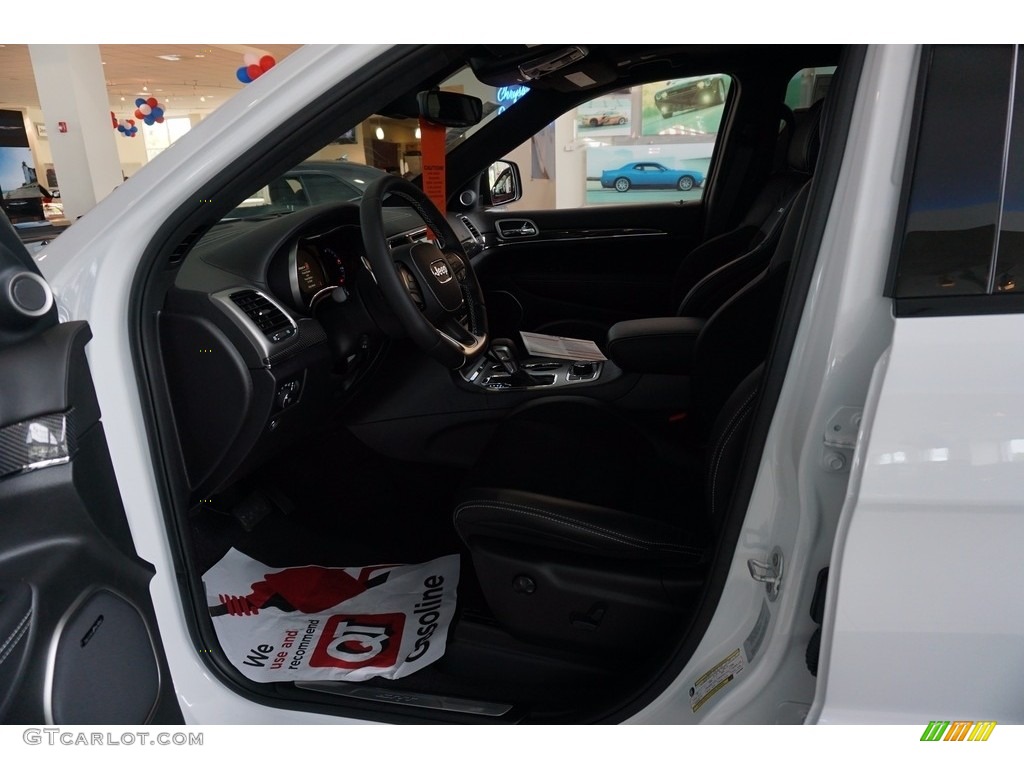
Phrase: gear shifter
x=504 y=353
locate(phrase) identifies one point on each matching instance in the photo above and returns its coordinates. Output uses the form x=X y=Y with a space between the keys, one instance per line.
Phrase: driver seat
x=586 y=529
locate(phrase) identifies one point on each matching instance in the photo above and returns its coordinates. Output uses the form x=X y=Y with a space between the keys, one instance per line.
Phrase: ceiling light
x=419 y=133
x=200 y=55
x=379 y=133
x=170 y=57
x=202 y=98
x=145 y=89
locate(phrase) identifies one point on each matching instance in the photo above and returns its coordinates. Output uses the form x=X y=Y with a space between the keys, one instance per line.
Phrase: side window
x=960 y=245
x=322 y=188
x=652 y=143
x=808 y=86
x=288 y=191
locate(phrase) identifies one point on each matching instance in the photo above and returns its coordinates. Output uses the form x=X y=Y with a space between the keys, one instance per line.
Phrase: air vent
x=469 y=225
x=274 y=324
x=186 y=245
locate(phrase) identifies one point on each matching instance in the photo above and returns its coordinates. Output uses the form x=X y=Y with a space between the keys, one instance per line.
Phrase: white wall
x=130 y=152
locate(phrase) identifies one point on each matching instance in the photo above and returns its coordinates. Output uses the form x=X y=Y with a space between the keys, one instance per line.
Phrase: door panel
x=583 y=266
x=80 y=640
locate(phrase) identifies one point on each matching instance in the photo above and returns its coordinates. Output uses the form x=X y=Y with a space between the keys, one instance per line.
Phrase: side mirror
x=502 y=184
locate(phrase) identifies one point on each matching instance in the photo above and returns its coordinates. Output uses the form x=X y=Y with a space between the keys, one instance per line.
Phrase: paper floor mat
x=317 y=623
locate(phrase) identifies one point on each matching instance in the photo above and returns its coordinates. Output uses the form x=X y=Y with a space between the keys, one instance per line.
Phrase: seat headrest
x=803 y=147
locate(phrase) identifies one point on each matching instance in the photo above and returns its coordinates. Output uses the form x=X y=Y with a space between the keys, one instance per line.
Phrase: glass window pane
x=652 y=143
x=954 y=196
x=808 y=86
x=322 y=188
x=1010 y=265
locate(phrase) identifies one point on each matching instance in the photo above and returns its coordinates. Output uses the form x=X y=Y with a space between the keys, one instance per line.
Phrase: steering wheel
x=429 y=285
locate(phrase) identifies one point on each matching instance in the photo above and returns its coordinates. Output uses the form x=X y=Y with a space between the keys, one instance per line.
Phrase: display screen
x=310 y=272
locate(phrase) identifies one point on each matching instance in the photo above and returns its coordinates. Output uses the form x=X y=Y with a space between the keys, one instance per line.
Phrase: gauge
x=309 y=271
x=334 y=264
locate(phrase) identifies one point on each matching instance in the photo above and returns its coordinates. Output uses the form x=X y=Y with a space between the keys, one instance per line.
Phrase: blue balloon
x=157 y=113
x=243 y=75
x=139 y=102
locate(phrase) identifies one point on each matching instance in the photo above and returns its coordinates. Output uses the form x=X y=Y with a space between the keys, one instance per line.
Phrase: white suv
x=800 y=504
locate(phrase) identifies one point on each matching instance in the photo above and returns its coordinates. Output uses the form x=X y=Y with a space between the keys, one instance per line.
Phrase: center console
x=532 y=373
x=502 y=368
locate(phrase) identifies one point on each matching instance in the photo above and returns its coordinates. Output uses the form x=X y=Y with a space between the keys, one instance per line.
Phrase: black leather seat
x=578 y=569
x=717 y=268
x=585 y=528
x=754 y=240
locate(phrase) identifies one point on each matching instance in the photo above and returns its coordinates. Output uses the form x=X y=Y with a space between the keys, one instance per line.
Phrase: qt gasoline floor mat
x=316 y=623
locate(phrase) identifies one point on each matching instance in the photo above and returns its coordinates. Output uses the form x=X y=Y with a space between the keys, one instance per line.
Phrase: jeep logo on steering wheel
x=439 y=269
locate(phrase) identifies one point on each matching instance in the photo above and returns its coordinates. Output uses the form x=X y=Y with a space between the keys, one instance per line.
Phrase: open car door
x=78 y=634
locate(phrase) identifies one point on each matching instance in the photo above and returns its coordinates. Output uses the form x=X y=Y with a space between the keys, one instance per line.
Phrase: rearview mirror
x=452 y=110
x=502 y=184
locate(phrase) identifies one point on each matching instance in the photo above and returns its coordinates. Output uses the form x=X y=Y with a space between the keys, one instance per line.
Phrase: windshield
x=341 y=170
x=309 y=183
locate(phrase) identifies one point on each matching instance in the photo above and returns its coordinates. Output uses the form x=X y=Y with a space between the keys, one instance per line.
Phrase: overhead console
x=560 y=67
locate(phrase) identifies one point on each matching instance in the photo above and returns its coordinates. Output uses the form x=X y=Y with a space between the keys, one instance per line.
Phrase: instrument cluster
x=320 y=264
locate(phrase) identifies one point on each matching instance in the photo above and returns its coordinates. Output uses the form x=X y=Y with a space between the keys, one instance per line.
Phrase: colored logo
x=354 y=642
x=958 y=730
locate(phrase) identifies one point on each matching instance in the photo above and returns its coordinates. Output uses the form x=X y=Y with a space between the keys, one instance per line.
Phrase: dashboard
x=269 y=328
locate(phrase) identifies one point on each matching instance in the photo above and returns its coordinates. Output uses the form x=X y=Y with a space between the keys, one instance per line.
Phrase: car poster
x=317 y=623
x=610 y=115
x=692 y=106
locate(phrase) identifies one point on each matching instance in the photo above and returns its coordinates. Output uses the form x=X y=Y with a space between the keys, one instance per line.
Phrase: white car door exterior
x=924 y=619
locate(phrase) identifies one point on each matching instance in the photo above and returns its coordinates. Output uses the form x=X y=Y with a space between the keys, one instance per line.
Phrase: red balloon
x=267 y=62
x=113 y=119
x=254 y=71
x=139 y=114
x=159 y=119
x=152 y=101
